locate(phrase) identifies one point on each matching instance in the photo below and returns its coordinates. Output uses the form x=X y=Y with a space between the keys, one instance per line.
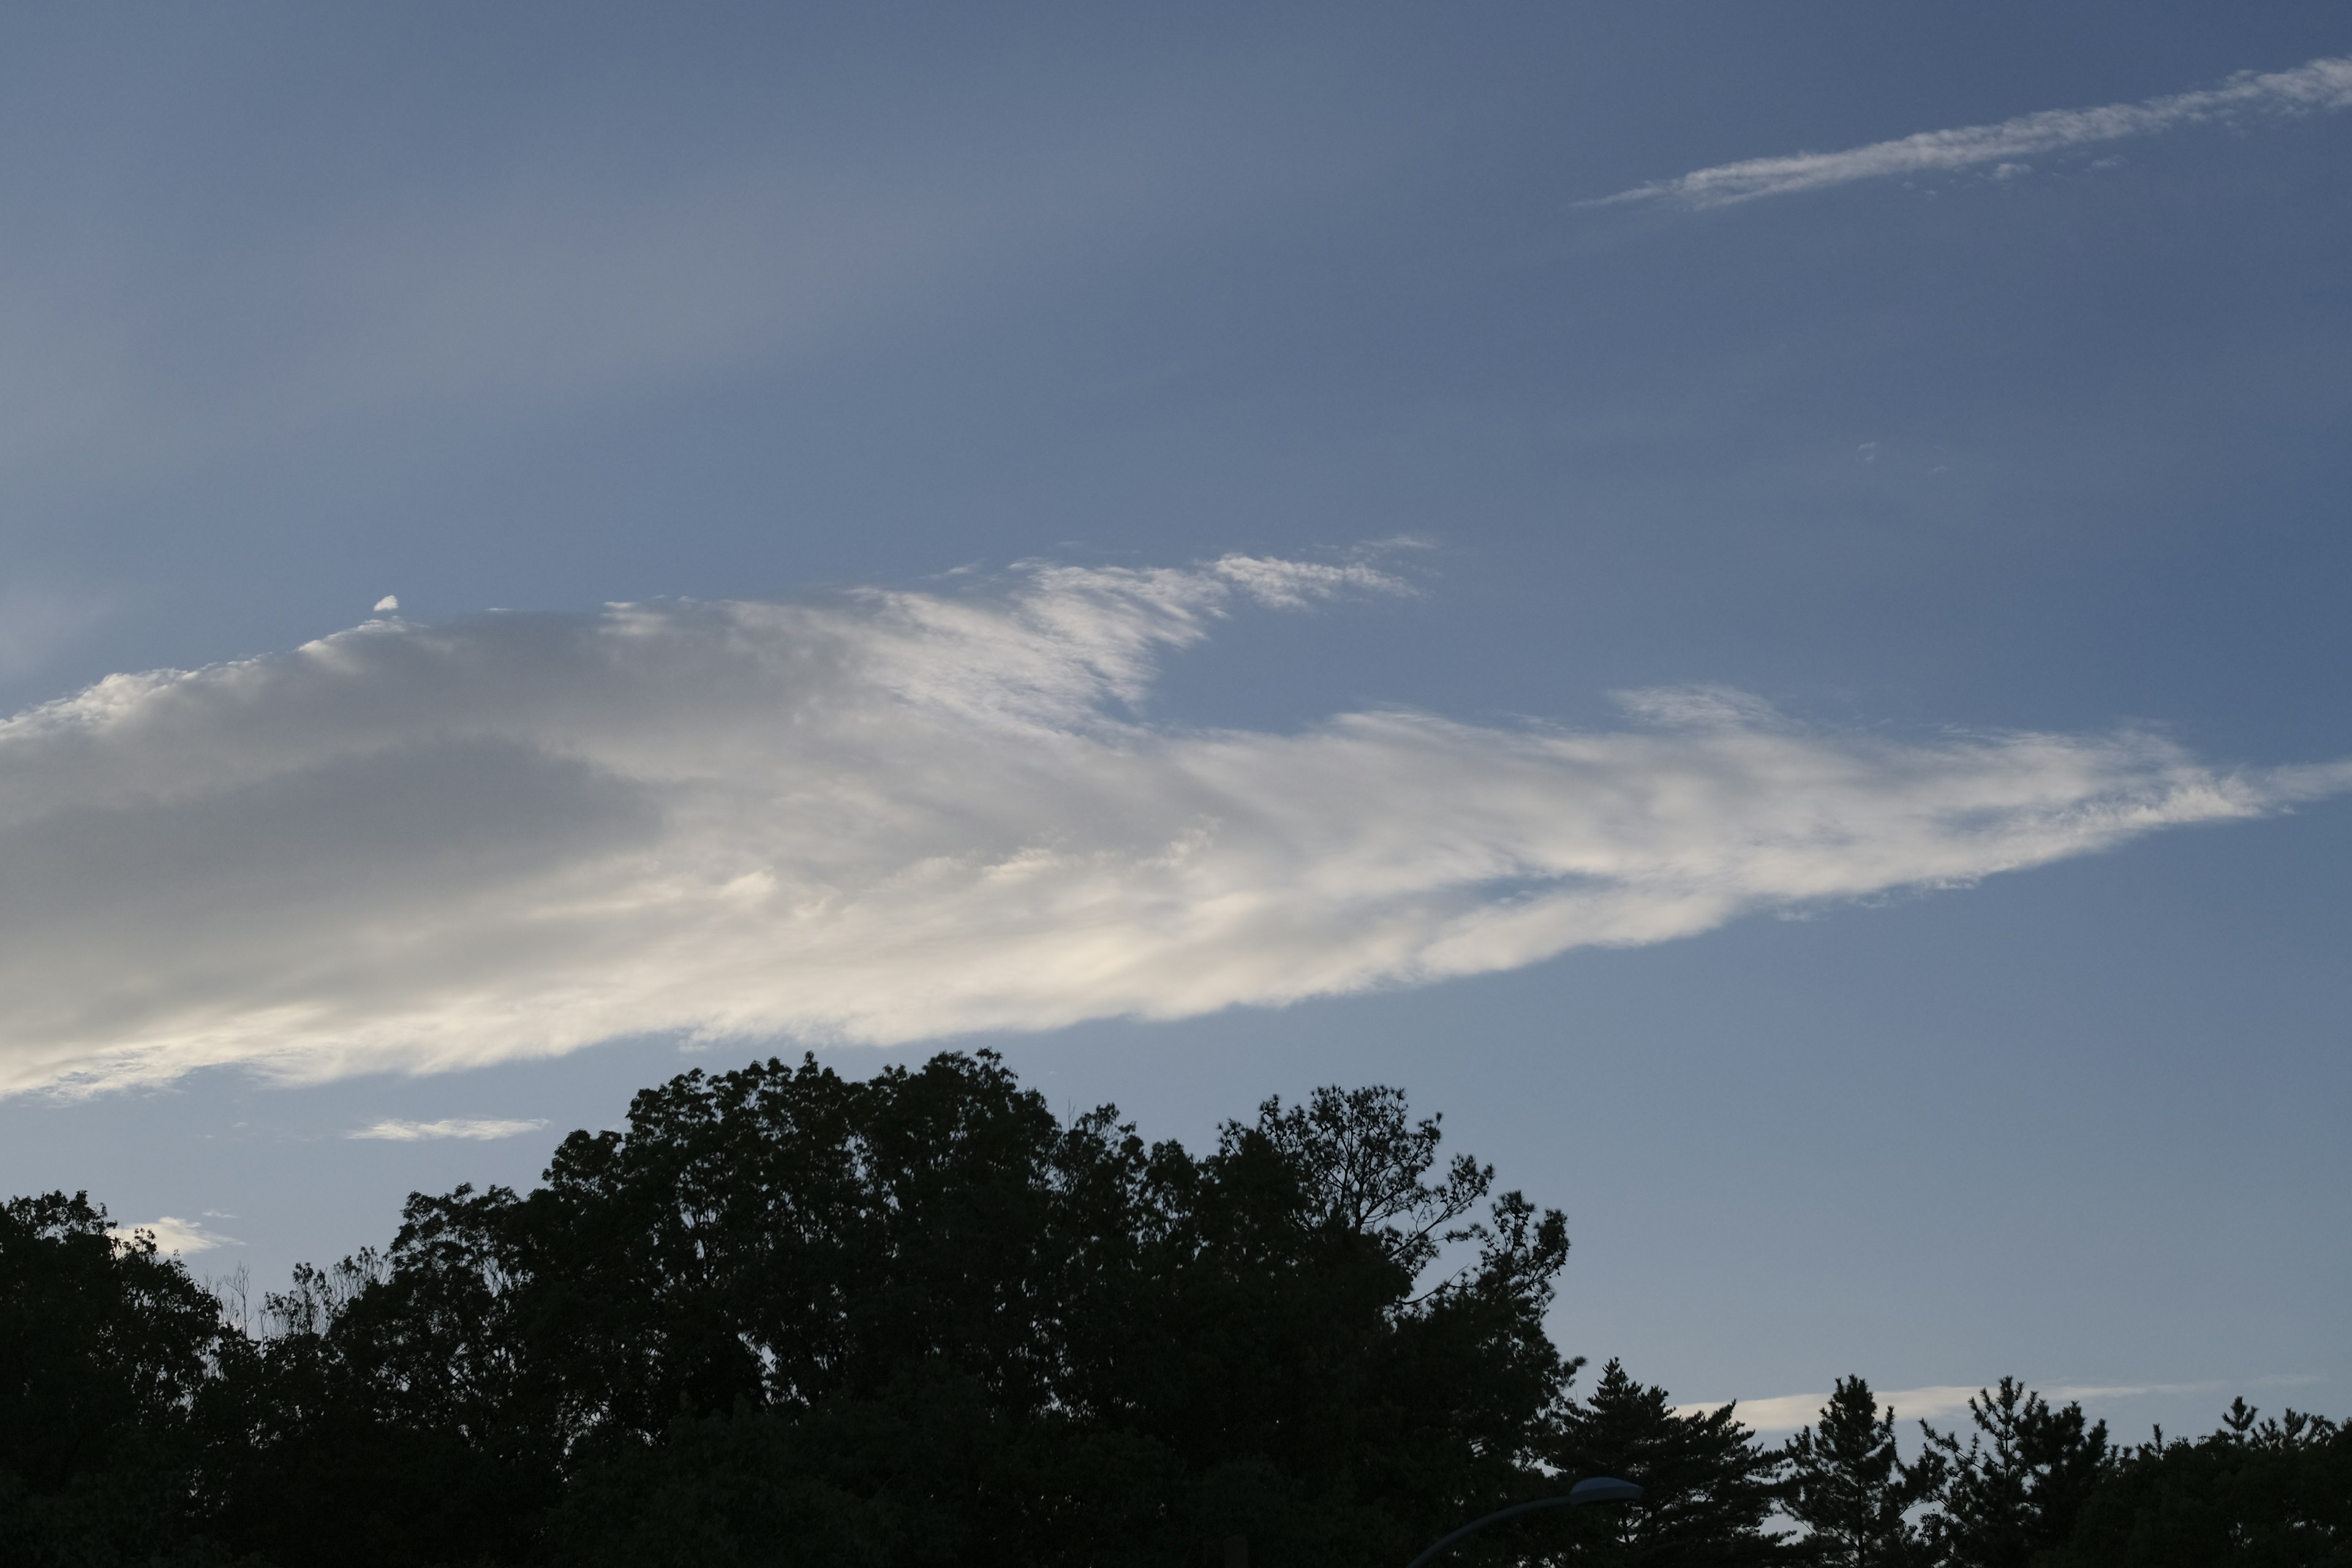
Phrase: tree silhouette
x=2017 y=1487
x=1707 y=1488
x=915 y=1320
x=1848 y=1486
x=2276 y=1494
x=105 y=1346
x=916 y=1316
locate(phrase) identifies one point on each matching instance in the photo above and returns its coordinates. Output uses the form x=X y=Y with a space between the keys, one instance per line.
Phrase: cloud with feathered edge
x=898 y=815
x=2318 y=87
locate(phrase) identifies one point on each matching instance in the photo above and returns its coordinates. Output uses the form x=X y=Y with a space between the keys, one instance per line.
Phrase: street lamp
x=1592 y=1489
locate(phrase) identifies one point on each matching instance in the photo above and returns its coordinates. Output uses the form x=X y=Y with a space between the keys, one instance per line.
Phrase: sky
x=1746 y=601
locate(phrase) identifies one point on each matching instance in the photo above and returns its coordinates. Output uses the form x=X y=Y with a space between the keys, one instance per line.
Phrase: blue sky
x=1798 y=702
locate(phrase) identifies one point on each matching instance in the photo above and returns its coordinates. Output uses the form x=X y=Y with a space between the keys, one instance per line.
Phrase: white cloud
x=1788 y=1412
x=184 y=1237
x=903 y=816
x=479 y=1129
x=2322 y=85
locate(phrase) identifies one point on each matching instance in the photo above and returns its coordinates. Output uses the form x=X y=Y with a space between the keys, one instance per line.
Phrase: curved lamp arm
x=1595 y=1488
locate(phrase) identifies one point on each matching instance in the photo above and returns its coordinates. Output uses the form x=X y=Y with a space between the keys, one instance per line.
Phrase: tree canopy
x=917 y=1319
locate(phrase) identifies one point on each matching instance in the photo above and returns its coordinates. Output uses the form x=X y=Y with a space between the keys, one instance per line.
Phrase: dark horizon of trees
x=791 y=1318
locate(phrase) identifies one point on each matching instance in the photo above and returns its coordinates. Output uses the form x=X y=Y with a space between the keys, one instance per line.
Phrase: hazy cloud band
x=479 y=1129
x=2323 y=84
x=902 y=815
x=1788 y=1412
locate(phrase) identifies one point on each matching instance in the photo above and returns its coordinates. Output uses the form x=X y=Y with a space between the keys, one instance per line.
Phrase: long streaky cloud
x=1789 y=1411
x=2322 y=85
x=897 y=816
x=480 y=1129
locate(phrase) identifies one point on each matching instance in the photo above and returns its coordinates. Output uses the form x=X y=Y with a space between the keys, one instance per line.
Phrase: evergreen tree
x=2016 y=1489
x=1708 y=1486
x=1848 y=1486
x=2276 y=1494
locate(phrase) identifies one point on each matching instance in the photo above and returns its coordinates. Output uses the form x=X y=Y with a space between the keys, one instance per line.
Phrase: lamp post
x=1592 y=1489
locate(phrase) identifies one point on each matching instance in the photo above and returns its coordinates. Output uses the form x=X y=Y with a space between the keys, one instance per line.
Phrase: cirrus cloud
x=901 y=816
x=2318 y=85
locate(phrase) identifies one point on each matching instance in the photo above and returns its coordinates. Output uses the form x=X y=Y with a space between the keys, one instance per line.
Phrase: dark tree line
x=788 y=1317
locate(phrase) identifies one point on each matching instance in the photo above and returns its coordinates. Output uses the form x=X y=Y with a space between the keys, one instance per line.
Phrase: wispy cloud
x=1788 y=1412
x=479 y=1129
x=184 y=1236
x=901 y=816
x=2322 y=85
x=538 y=276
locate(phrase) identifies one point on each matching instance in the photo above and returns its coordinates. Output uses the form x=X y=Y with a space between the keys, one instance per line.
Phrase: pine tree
x=1707 y=1486
x=2278 y=1494
x=1850 y=1488
x=2019 y=1495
